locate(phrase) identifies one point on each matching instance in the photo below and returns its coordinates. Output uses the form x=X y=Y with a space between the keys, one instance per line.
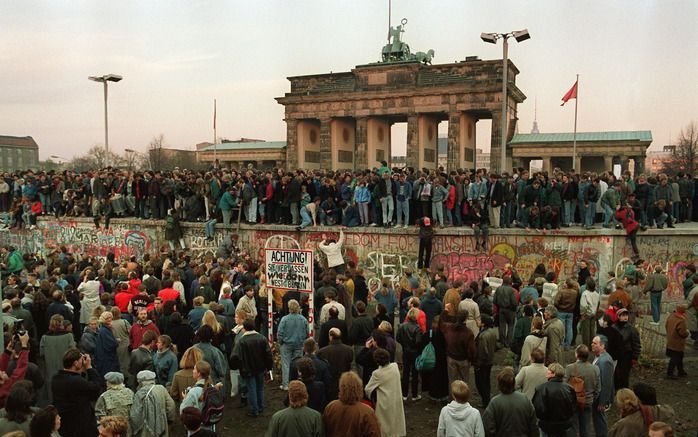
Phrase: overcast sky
x=636 y=60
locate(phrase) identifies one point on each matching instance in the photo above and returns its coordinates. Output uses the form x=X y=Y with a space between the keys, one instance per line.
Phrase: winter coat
x=251 y=354
x=343 y=420
x=409 y=335
x=88 y=341
x=116 y=401
x=106 y=359
x=555 y=403
x=676 y=332
x=214 y=356
x=90 y=300
x=51 y=350
x=534 y=340
x=486 y=346
x=385 y=381
x=555 y=331
x=631 y=346
x=509 y=415
x=296 y=422
x=73 y=397
x=165 y=365
x=151 y=411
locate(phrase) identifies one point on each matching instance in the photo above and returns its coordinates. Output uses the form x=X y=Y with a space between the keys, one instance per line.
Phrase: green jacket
x=296 y=422
x=228 y=201
x=15 y=262
x=610 y=198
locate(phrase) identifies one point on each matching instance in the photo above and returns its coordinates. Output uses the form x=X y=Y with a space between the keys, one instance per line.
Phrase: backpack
x=577 y=384
x=427 y=359
x=212 y=405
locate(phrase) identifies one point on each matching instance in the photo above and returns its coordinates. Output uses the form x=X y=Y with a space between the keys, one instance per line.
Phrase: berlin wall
x=386 y=254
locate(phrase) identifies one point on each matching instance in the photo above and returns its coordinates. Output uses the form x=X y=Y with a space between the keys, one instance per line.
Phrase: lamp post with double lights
x=105 y=80
x=519 y=36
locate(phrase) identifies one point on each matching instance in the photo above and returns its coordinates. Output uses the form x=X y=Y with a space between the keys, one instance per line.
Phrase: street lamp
x=519 y=36
x=104 y=79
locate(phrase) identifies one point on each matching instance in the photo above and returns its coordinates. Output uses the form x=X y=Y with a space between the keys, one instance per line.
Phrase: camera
x=18 y=331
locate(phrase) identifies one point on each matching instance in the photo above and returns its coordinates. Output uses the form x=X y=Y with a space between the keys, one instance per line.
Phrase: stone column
x=412 y=158
x=496 y=142
x=623 y=163
x=547 y=165
x=608 y=163
x=291 y=144
x=326 y=143
x=454 y=158
x=361 y=134
x=577 y=165
x=639 y=164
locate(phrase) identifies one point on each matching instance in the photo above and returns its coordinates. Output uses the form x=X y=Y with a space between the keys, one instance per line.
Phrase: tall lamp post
x=105 y=79
x=519 y=35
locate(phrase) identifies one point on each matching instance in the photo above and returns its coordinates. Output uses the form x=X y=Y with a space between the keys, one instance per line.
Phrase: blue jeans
x=227 y=216
x=46 y=204
x=567 y=318
x=437 y=212
x=307 y=220
x=656 y=303
x=570 y=208
x=590 y=215
x=210 y=228
x=255 y=393
x=608 y=215
x=403 y=210
x=457 y=212
x=387 y=209
x=521 y=217
x=506 y=215
x=288 y=353
x=251 y=211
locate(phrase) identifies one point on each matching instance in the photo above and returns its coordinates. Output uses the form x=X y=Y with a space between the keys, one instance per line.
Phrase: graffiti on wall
x=386 y=256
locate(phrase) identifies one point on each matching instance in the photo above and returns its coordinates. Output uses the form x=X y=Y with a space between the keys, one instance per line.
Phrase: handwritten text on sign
x=290 y=269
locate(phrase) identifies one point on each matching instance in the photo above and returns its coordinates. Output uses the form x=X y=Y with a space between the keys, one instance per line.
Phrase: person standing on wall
x=426 y=234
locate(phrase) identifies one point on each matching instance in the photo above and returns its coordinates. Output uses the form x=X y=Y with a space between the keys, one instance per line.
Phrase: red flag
x=571 y=94
x=214 y=112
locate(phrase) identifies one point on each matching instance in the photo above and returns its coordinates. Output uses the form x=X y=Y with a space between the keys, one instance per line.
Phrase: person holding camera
x=19 y=348
x=75 y=391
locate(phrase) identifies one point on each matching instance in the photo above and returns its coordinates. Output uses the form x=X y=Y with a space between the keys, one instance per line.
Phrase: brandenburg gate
x=343 y=120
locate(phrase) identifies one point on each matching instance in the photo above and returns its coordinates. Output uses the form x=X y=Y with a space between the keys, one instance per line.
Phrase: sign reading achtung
x=289 y=269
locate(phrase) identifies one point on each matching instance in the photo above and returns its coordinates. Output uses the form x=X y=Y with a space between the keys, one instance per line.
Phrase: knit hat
x=114 y=378
x=621 y=311
x=145 y=375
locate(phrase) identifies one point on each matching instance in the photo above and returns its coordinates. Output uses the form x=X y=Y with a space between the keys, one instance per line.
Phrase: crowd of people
x=141 y=345
x=378 y=197
x=134 y=346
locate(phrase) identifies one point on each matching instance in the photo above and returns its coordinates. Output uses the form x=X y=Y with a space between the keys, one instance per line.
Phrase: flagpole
x=215 y=141
x=574 y=136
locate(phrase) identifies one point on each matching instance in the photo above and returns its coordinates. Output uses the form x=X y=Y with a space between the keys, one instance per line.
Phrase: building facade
x=240 y=154
x=596 y=151
x=343 y=120
x=18 y=153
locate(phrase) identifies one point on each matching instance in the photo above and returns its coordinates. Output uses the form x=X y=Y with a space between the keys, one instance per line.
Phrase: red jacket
x=627 y=218
x=122 y=299
x=168 y=294
x=18 y=374
x=133 y=285
x=451 y=198
x=137 y=330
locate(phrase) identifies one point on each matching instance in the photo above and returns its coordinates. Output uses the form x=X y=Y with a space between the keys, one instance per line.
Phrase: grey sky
x=636 y=61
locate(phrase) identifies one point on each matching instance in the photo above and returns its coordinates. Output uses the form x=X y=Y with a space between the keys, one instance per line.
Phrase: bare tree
x=684 y=157
x=155 y=152
x=96 y=158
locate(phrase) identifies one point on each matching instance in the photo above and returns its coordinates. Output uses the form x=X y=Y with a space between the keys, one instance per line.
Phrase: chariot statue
x=398 y=51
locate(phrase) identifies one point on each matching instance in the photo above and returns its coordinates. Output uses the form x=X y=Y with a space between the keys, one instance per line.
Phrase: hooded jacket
x=459 y=420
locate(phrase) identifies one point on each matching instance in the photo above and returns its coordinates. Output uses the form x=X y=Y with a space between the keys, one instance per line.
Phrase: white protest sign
x=289 y=269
